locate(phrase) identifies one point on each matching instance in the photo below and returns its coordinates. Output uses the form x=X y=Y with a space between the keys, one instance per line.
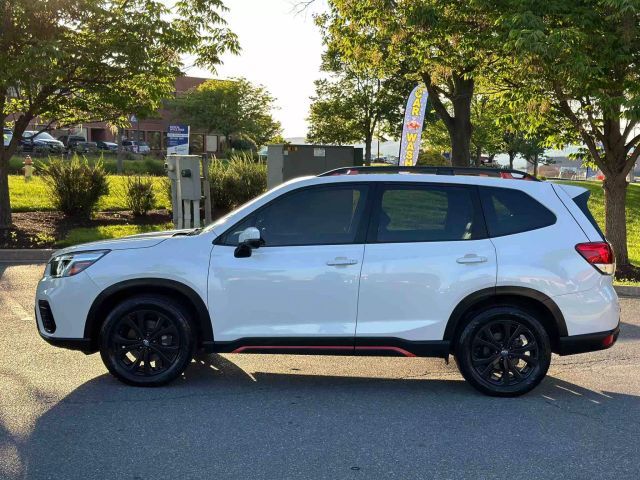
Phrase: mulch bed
x=43 y=229
x=628 y=272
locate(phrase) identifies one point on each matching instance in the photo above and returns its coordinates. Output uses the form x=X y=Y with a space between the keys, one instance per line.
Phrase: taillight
x=598 y=254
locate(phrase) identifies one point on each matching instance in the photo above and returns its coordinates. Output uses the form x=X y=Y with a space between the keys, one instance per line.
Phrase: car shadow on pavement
x=219 y=421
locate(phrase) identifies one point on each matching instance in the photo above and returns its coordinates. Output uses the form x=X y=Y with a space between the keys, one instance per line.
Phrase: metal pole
x=179 y=208
x=206 y=187
x=196 y=213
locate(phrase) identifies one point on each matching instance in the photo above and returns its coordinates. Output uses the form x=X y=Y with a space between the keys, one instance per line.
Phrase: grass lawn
x=91 y=234
x=34 y=195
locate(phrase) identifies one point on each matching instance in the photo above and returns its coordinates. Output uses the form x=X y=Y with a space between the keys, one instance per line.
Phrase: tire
x=147 y=341
x=503 y=368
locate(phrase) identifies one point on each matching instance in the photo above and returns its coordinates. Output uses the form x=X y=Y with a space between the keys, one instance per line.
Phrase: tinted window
x=509 y=211
x=582 y=201
x=312 y=216
x=425 y=213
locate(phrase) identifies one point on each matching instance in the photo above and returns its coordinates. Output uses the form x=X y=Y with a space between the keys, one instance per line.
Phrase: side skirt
x=368 y=346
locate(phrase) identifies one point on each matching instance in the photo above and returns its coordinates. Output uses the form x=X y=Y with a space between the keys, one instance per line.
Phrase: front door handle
x=340 y=261
x=471 y=258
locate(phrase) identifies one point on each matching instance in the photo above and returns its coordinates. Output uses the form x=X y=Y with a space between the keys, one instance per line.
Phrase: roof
x=434 y=170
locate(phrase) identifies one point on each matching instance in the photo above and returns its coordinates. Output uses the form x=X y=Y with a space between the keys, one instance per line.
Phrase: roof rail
x=473 y=171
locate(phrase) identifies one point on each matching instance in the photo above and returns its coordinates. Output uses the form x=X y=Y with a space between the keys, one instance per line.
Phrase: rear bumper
x=589 y=342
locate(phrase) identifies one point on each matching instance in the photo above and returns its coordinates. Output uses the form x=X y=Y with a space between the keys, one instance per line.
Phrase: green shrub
x=219 y=195
x=138 y=195
x=236 y=181
x=75 y=186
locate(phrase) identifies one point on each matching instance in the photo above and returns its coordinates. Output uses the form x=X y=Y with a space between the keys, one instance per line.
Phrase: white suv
x=499 y=272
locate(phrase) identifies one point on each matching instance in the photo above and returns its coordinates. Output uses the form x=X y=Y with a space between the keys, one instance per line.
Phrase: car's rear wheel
x=503 y=351
x=147 y=340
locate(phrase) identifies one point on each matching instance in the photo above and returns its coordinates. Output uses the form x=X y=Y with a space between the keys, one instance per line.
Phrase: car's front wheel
x=147 y=340
x=503 y=351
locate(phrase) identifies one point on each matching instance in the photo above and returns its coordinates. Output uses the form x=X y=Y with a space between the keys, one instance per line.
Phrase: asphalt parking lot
x=283 y=417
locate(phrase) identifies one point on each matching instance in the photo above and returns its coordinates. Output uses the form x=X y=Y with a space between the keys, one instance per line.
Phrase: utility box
x=186 y=189
x=187 y=167
x=285 y=162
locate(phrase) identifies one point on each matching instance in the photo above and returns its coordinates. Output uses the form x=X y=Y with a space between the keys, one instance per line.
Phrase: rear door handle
x=471 y=258
x=340 y=261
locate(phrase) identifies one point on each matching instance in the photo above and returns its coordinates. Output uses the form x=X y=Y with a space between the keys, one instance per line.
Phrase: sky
x=281 y=50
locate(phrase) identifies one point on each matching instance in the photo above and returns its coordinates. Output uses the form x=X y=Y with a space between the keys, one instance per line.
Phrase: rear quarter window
x=582 y=202
x=508 y=211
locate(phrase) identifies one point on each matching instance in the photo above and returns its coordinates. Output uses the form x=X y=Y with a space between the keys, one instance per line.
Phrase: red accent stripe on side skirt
x=290 y=347
x=399 y=350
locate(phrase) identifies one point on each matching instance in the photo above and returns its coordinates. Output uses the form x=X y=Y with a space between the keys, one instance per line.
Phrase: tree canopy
x=70 y=61
x=577 y=61
x=354 y=108
x=232 y=107
x=447 y=45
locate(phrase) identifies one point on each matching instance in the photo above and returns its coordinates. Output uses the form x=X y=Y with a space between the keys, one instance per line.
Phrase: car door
x=303 y=281
x=427 y=249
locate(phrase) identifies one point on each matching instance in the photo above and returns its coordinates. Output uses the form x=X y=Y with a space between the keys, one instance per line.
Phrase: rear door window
x=426 y=213
x=508 y=211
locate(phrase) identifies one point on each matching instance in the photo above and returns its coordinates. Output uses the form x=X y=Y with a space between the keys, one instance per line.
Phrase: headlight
x=69 y=264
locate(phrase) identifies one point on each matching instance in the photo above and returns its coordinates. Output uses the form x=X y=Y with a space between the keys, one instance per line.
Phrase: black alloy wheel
x=503 y=351
x=147 y=341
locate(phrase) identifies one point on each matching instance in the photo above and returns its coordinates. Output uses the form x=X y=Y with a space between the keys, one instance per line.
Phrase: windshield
x=38 y=136
x=221 y=221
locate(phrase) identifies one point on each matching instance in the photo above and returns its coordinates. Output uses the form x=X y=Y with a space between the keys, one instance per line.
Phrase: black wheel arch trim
x=203 y=319
x=495 y=293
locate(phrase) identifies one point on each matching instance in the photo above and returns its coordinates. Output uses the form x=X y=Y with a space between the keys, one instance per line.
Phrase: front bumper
x=83 y=344
x=589 y=342
x=69 y=300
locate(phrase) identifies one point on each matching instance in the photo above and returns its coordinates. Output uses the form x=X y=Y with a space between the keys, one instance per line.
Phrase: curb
x=627 y=291
x=24 y=255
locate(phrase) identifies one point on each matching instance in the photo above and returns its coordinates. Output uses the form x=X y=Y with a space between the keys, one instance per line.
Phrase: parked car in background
x=136 y=146
x=107 y=146
x=70 y=141
x=497 y=271
x=7 y=134
x=86 y=147
x=32 y=141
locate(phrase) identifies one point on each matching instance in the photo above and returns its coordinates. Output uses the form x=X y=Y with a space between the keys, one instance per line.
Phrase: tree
x=579 y=59
x=444 y=44
x=353 y=108
x=73 y=61
x=532 y=149
x=233 y=107
x=487 y=136
x=513 y=144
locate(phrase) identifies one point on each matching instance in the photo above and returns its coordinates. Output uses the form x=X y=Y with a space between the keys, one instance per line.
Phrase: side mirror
x=250 y=236
x=247 y=241
x=242 y=251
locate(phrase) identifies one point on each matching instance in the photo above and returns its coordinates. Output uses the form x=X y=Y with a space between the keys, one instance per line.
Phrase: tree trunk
x=367 y=149
x=478 y=159
x=512 y=156
x=615 y=194
x=459 y=124
x=535 y=165
x=120 y=154
x=461 y=129
x=5 y=202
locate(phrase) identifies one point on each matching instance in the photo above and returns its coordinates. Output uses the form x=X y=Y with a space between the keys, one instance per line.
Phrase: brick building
x=152 y=130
